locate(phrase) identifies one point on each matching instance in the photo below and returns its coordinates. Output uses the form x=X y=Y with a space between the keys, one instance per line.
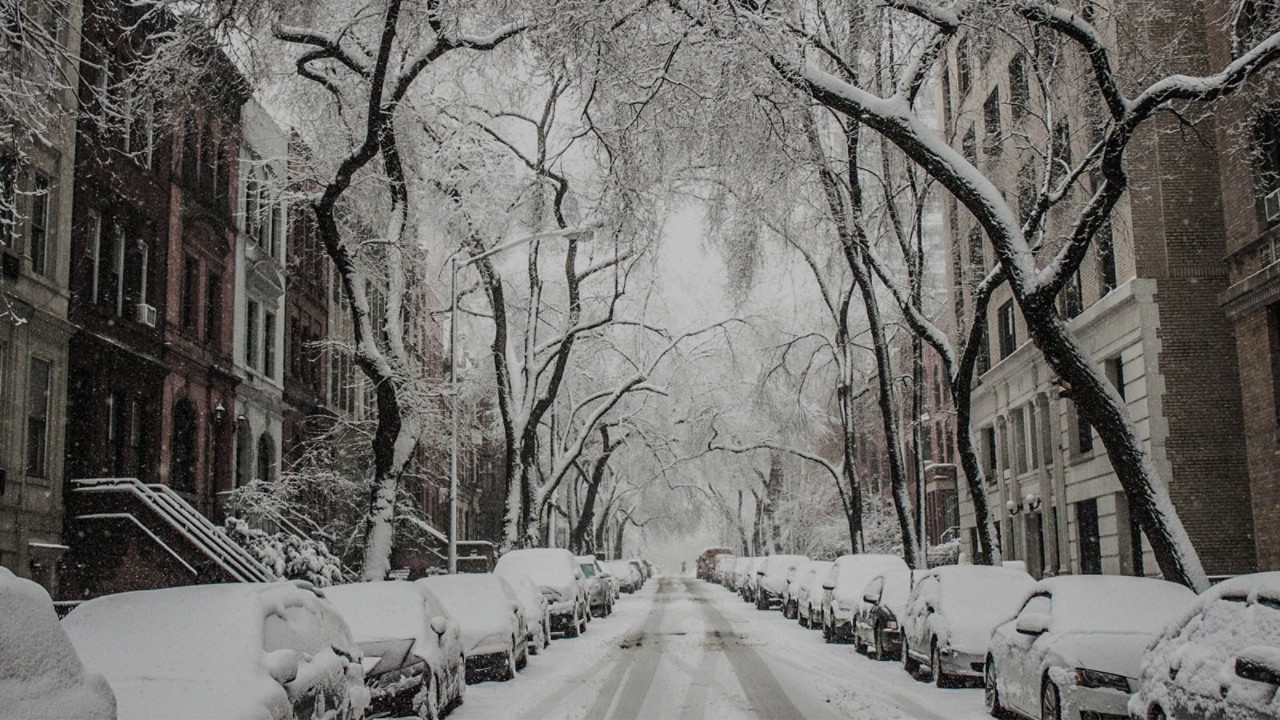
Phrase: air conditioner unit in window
x=1272 y=205
x=146 y=314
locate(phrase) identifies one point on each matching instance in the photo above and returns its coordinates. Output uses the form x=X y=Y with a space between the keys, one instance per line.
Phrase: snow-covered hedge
x=289 y=556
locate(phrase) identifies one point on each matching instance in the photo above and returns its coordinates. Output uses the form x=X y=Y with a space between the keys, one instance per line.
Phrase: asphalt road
x=685 y=649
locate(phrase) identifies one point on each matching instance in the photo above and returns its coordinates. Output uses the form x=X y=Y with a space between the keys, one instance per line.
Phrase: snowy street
x=682 y=648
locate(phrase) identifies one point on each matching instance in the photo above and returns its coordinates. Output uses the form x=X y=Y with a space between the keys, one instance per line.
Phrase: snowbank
x=41 y=675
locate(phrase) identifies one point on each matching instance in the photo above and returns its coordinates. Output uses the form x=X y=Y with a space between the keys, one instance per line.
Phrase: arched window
x=183 y=450
x=266 y=458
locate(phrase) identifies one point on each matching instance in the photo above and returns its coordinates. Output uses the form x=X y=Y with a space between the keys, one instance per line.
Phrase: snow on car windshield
x=381 y=611
x=546 y=568
x=983 y=596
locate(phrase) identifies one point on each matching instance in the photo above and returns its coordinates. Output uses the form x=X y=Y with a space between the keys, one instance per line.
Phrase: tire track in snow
x=641 y=677
x=762 y=689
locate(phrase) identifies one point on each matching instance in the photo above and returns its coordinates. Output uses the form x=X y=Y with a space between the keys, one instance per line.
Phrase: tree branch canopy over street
x=710 y=279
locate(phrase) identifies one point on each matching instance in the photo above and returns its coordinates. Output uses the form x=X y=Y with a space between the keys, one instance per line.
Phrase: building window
x=8 y=201
x=190 y=293
x=251 y=335
x=964 y=72
x=989 y=453
x=39 y=233
x=213 y=310
x=1019 y=87
x=39 y=381
x=269 y=345
x=115 y=279
x=969 y=146
x=1062 y=159
x=1084 y=434
x=1018 y=420
x=1106 y=258
x=977 y=255
x=1089 y=540
x=992 y=133
x=266 y=458
x=1115 y=373
x=113 y=434
x=1266 y=165
x=93 y=246
x=1027 y=191
x=135 y=438
x=1072 y=296
x=1008 y=330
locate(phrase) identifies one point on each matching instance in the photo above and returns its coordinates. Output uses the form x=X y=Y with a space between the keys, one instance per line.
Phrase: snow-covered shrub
x=287 y=555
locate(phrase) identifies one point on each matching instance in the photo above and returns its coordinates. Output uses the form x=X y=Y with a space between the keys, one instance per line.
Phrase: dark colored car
x=876 y=628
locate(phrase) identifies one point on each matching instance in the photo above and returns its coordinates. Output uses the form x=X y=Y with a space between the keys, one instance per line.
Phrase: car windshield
x=985 y=595
x=588 y=570
x=1102 y=604
x=549 y=569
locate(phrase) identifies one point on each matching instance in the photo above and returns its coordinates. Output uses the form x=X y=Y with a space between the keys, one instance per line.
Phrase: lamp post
x=454 y=266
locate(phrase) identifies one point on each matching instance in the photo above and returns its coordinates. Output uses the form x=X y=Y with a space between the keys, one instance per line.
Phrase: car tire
x=827 y=632
x=940 y=677
x=1156 y=713
x=575 y=626
x=801 y=619
x=990 y=692
x=875 y=649
x=509 y=669
x=1050 y=701
x=909 y=664
x=546 y=633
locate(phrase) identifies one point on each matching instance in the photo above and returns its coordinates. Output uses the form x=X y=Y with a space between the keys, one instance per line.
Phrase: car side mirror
x=828 y=586
x=439 y=625
x=1259 y=664
x=1033 y=624
x=870 y=599
x=515 y=608
x=282 y=665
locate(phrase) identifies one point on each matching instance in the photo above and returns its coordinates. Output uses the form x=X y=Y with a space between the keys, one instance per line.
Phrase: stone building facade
x=1144 y=304
x=36 y=180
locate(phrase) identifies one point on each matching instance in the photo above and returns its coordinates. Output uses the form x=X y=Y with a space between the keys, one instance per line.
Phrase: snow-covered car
x=774 y=578
x=626 y=574
x=809 y=595
x=236 y=650
x=537 y=613
x=599 y=595
x=738 y=572
x=491 y=619
x=951 y=614
x=751 y=580
x=41 y=676
x=413 y=659
x=842 y=590
x=723 y=573
x=1219 y=659
x=1074 y=648
x=877 y=630
x=642 y=570
x=560 y=579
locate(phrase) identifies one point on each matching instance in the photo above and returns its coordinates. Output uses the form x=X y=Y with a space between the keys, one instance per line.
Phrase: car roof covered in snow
x=547 y=566
x=41 y=675
x=1113 y=603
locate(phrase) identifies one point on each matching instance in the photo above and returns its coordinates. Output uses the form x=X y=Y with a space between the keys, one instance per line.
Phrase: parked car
x=792 y=590
x=1220 y=659
x=413 y=658
x=1075 y=646
x=41 y=675
x=238 y=650
x=491 y=620
x=537 y=612
x=809 y=596
x=877 y=630
x=599 y=595
x=771 y=584
x=723 y=573
x=560 y=579
x=626 y=574
x=642 y=570
x=751 y=582
x=842 y=590
x=737 y=576
x=951 y=614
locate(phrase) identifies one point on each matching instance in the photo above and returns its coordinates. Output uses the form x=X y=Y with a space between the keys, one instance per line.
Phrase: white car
x=235 y=650
x=951 y=614
x=414 y=663
x=560 y=579
x=599 y=592
x=625 y=573
x=877 y=629
x=1074 y=648
x=1220 y=659
x=491 y=618
x=809 y=595
x=751 y=583
x=842 y=590
x=537 y=613
x=738 y=578
x=773 y=579
x=41 y=676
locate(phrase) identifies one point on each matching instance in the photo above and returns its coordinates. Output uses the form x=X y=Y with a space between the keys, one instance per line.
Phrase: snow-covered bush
x=287 y=555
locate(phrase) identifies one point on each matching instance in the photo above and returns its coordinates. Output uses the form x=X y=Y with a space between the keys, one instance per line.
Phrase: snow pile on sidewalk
x=40 y=674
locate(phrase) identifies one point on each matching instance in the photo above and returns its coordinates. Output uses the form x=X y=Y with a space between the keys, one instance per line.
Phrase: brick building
x=1248 y=135
x=35 y=265
x=1144 y=304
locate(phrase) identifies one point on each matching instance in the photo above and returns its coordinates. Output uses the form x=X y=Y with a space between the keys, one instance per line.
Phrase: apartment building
x=1248 y=136
x=1145 y=304
x=37 y=165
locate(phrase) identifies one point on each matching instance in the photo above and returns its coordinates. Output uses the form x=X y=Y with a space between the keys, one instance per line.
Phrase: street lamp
x=454 y=265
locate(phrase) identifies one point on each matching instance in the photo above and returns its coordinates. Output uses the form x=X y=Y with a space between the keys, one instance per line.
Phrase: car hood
x=1117 y=653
